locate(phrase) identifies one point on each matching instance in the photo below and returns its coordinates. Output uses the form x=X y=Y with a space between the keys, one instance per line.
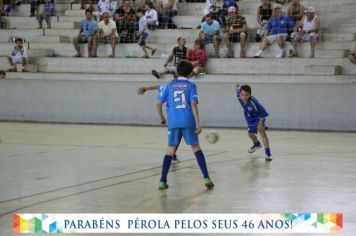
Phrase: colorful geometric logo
x=331 y=221
x=34 y=223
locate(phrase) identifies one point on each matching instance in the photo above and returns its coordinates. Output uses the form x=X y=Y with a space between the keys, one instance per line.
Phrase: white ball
x=212 y=137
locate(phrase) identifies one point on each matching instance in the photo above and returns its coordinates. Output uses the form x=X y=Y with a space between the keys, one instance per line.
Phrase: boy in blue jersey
x=181 y=101
x=255 y=115
x=160 y=89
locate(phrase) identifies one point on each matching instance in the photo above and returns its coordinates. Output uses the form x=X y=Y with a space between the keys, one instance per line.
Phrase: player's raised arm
x=142 y=90
x=237 y=89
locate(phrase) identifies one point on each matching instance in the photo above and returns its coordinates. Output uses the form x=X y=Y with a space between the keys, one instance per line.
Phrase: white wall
x=291 y=106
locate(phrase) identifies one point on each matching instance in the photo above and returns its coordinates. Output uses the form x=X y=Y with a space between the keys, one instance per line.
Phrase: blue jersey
x=253 y=110
x=178 y=96
x=280 y=25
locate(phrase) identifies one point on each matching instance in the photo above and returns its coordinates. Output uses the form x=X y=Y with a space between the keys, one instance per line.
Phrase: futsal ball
x=212 y=137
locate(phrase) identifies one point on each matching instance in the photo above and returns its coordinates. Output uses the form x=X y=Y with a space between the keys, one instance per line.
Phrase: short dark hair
x=18 y=40
x=184 y=68
x=2 y=72
x=246 y=88
x=89 y=10
x=200 y=43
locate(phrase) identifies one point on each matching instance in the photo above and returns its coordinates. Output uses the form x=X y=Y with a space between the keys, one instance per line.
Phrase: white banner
x=178 y=223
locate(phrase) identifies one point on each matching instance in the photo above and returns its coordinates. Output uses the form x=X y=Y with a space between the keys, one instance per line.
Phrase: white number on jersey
x=179 y=97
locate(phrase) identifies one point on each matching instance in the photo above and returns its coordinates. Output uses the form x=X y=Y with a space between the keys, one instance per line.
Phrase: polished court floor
x=51 y=168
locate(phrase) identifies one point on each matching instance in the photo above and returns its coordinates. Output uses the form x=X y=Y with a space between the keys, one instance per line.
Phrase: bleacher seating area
x=330 y=65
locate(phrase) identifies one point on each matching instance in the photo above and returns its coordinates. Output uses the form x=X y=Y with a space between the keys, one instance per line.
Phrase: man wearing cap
x=106 y=33
x=308 y=31
x=277 y=27
x=210 y=33
x=235 y=31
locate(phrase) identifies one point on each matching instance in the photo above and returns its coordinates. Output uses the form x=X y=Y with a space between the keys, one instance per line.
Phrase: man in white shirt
x=106 y=33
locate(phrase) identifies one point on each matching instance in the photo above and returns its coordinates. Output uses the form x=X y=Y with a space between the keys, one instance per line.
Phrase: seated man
x=235 y=31
x=264 y=13
x=87 y=31
x=106 y=33
x=2 y=74
x=49 y=9
x=18 y=56
x=308 y=31
x=178 y=54
x=210 y=33
x=277 y=27
x=197 y=56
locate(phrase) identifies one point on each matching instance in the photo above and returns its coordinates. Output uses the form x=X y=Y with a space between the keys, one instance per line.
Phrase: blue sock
x=257 y=143
x=201 y=162
x=165 y=167
x=268 y=152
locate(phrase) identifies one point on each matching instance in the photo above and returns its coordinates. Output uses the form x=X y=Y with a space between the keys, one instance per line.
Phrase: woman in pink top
x=197 y=56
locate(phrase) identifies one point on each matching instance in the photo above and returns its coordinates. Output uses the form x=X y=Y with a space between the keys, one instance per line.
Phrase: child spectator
x=264 y=13
x=178 y=54
x=197 y=56
x=151 y=15
x=18 y=56
x=49 y=9
x=142 y=34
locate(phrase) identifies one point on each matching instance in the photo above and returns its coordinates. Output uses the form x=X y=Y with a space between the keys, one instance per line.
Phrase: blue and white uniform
x=178 y=96
x=253 y=112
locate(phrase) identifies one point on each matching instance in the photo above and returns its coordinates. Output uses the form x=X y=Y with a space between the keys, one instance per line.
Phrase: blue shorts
x=252 y=128
x=189 y=135
x=142 y=39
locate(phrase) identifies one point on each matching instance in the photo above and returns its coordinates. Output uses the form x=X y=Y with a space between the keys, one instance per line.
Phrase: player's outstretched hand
x=141 y=91
x=198 y=129
x=163 y=121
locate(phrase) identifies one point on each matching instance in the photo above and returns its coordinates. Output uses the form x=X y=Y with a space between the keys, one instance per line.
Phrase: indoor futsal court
x=58 y=168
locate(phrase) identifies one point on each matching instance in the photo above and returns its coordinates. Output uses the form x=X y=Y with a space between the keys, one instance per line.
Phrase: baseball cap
x=310 y=9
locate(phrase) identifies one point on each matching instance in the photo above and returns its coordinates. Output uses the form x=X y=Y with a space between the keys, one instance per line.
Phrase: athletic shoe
x=255 y=147
x=268 y=158
x=208 y=183
x=156 y=74
x=175 y=159
x=162 y=185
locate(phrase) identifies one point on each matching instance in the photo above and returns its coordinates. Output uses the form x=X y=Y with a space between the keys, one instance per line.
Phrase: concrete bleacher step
x=40 y=52
x=31 y=23
x=24 y=9
x=323 y=70
x=330 y=53
x=148 y=78
x=339 y=36
x=52 y=39
x=31 y=67
x=283 y=66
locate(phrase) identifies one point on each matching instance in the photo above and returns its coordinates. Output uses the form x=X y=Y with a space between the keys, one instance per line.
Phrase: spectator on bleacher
x=142 y=34
x=88 y=28
x=210 y=33
x=216 y=14
x=264 y=13
x=151 y=15
x=235 y=31
x=307 y=31
x=169 y=10
x=352 y=56
x=226 y=5
x=113 y=8
x=277 y=31
x=2 y=74
x=281 y=1
x=34 y=4
x=8 y=5
x=178 y=54
x=296 y=11
x=106 y=33
x=18 y=56
x=102 y=6
x=125 y=17
x=49 y=9
x=198 y=56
